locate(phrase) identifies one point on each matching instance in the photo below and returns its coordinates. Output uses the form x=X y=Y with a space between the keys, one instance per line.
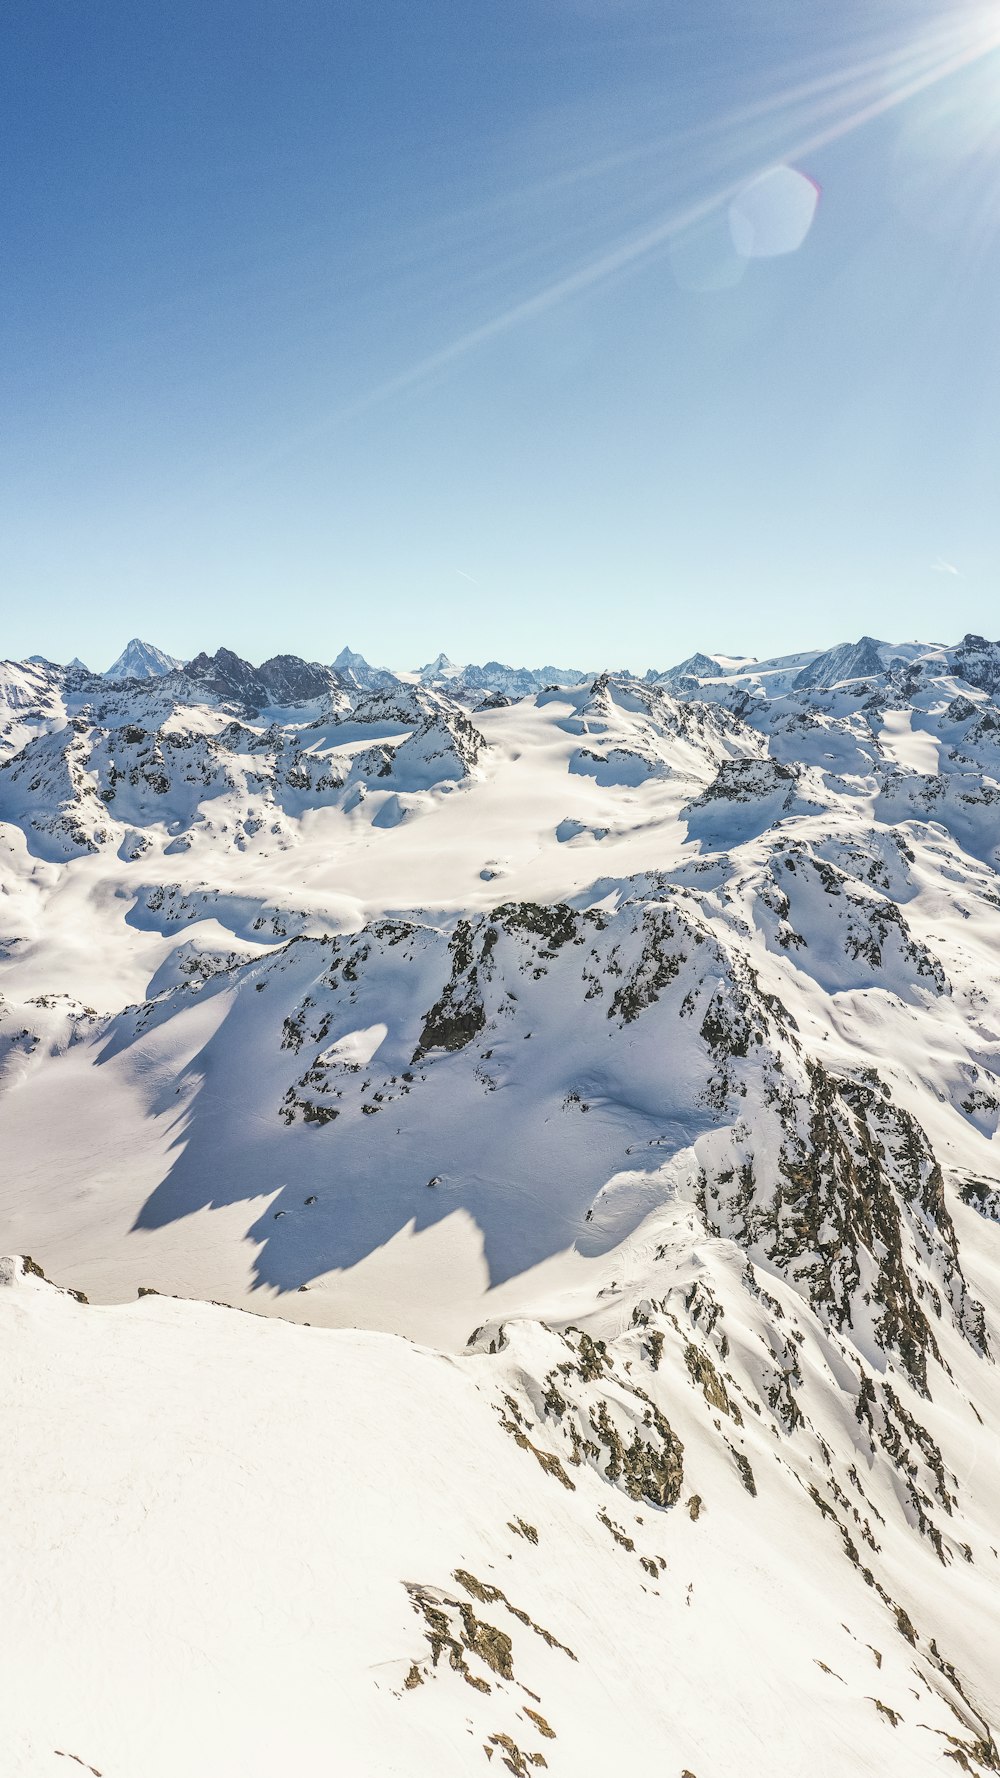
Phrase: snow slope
x=264 y=1549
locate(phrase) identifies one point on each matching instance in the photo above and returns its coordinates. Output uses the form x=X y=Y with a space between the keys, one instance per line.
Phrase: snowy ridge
x=631 y=1042
x=586 y=1509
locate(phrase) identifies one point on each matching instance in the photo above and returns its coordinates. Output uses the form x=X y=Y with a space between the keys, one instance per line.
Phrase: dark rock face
x=284 y=680
x=978 y=662
x=857 y=1205
x=291 y=680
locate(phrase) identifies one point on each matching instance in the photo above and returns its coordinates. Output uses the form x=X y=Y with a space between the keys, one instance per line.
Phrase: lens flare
x=774 y=214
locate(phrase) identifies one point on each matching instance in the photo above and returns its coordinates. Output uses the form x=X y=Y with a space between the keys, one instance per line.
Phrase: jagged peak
x=141 y=660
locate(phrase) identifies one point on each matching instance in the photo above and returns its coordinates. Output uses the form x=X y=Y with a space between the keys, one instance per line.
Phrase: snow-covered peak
x=697 y=666
x=141 y=660
x=354 y=670
x=849 y=660
x=439 y=668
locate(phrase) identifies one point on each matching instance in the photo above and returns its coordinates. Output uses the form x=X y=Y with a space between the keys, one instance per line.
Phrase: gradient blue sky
x=333 y=320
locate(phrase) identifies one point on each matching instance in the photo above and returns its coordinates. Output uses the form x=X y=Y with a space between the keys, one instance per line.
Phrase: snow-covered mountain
x=696 y=666
x=633 y=1046
x=850 y=660
x=439 y=668
x=352 y=669
x=141 y=660
x=495 y=676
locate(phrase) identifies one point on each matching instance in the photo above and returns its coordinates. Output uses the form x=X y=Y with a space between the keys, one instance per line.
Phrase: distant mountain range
x=224 y=674
x=287 y=679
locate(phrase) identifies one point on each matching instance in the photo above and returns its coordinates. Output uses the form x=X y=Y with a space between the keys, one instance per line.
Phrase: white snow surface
x=634 y=1048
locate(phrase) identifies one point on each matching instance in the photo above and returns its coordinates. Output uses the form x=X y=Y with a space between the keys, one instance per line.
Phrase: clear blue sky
x=333 y=320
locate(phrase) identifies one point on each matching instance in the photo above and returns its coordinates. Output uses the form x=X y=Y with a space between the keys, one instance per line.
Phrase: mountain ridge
x=823 y=668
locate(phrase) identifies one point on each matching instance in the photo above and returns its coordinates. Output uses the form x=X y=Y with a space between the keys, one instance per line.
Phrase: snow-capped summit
x=355 y=671
x=697 y=666
x=440 y=668
x=141 y=660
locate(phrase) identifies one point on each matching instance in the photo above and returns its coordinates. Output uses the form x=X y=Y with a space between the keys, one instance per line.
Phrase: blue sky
x=328 y=322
